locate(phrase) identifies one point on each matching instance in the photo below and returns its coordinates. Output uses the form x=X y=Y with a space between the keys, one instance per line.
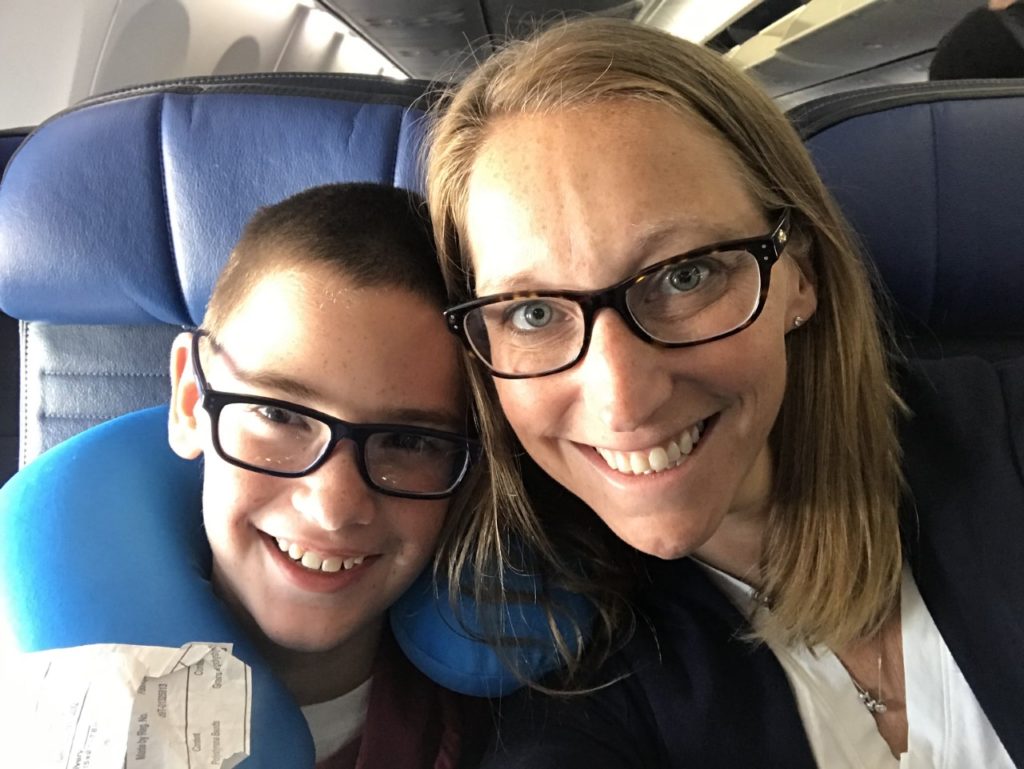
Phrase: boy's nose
x=335 y=495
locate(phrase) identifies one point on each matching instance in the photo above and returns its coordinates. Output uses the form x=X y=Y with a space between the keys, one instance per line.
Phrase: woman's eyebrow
x=519 y=281
x=693 y=233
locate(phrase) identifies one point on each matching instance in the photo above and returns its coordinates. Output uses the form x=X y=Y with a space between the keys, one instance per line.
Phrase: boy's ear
x=182 y=425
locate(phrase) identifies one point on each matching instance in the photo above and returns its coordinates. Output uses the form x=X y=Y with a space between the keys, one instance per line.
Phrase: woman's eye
x=530 y=316
x=685 y=277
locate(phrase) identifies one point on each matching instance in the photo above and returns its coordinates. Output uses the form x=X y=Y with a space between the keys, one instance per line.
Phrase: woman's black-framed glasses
x=287 y=440
x=694 y=298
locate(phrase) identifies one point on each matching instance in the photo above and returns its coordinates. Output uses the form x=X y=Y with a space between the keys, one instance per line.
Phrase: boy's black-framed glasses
x=698 y=297
x=287 y=440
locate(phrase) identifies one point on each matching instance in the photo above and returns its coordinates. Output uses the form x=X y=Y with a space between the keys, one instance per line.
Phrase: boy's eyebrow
x=438 y=418
x=271 y=381
x=445 y=420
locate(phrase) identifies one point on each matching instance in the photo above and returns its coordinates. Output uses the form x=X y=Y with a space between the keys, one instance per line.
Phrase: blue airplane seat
x=115 y=217
x=117 y=214
x=104 y=259
x=9 y=141
x=930 y=176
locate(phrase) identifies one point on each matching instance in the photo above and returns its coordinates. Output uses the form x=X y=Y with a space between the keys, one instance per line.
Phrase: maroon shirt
x=412 y=723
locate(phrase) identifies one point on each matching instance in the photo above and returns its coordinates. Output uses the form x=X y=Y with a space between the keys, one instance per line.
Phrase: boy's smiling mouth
x=316 y=561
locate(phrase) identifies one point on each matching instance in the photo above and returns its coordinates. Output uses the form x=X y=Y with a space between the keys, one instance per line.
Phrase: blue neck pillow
x=101 y=541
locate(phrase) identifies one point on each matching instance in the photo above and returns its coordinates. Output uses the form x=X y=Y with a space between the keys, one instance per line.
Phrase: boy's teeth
x=311 y=560
x=656 y=459
x=331 y=565
x=314 y=561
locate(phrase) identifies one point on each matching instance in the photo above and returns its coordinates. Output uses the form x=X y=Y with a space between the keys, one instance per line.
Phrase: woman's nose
x=625 y=380
x=335 y=495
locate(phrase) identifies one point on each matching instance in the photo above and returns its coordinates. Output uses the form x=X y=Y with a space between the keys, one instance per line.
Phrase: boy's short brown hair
x=372 y=234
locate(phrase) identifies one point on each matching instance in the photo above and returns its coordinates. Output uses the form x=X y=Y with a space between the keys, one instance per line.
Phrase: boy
x=324 y=392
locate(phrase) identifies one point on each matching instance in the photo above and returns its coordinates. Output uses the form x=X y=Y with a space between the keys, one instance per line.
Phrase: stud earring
x=798 y=322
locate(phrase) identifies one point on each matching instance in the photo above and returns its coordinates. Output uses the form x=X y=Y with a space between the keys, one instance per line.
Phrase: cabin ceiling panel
x=433 y=40
x=823 y=42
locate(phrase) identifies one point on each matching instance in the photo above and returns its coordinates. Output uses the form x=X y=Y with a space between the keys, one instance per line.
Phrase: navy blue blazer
x=695 y=695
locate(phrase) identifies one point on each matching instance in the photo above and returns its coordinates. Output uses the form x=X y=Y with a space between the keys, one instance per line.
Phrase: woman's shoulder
x=963 y=517
x=963 y=443
x=964 y=396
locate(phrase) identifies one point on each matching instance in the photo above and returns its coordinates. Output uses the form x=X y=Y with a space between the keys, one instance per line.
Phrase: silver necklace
x=875 y=705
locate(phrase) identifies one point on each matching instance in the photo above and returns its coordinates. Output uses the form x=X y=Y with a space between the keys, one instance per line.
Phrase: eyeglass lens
x=684 y=302
x=280 y=440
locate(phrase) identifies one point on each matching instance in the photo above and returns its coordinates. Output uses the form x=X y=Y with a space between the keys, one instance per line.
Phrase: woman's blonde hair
x=831 y=559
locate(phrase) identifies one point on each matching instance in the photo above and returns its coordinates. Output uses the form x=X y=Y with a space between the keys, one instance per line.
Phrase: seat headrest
x=931 y=176
x=124 y=209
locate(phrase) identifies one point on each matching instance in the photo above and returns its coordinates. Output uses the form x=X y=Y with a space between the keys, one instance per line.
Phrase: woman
x=666 y=309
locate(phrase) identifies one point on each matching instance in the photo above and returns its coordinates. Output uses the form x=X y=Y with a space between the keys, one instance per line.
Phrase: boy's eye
x=412 y=443
x=405 y=442
x=277 y=416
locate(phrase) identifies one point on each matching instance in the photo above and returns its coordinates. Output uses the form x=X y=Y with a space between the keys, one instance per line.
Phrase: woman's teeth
x=315 y=562
x=656 y=459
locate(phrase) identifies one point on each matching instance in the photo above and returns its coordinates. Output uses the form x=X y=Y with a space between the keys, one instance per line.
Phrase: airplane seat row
x=104 y=260
x=115 y=218
x=116 y=215
x=930 y=177
x=9 y=141
x=9 y=400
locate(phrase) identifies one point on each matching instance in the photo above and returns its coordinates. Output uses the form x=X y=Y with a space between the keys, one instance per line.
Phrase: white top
x=337 y=722
x=947 y=729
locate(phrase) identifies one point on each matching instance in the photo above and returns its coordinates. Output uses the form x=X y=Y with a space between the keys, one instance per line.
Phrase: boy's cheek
x=231 y=494
x=424 y=535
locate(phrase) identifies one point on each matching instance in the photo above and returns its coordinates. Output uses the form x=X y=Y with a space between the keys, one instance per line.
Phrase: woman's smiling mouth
x=655 y=459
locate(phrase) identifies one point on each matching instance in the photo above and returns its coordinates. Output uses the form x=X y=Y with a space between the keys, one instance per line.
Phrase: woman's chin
x=664 y=539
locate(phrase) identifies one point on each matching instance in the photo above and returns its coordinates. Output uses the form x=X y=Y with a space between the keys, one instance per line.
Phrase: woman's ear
x=182 y=424
x=803 y=294
x=804 y=298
